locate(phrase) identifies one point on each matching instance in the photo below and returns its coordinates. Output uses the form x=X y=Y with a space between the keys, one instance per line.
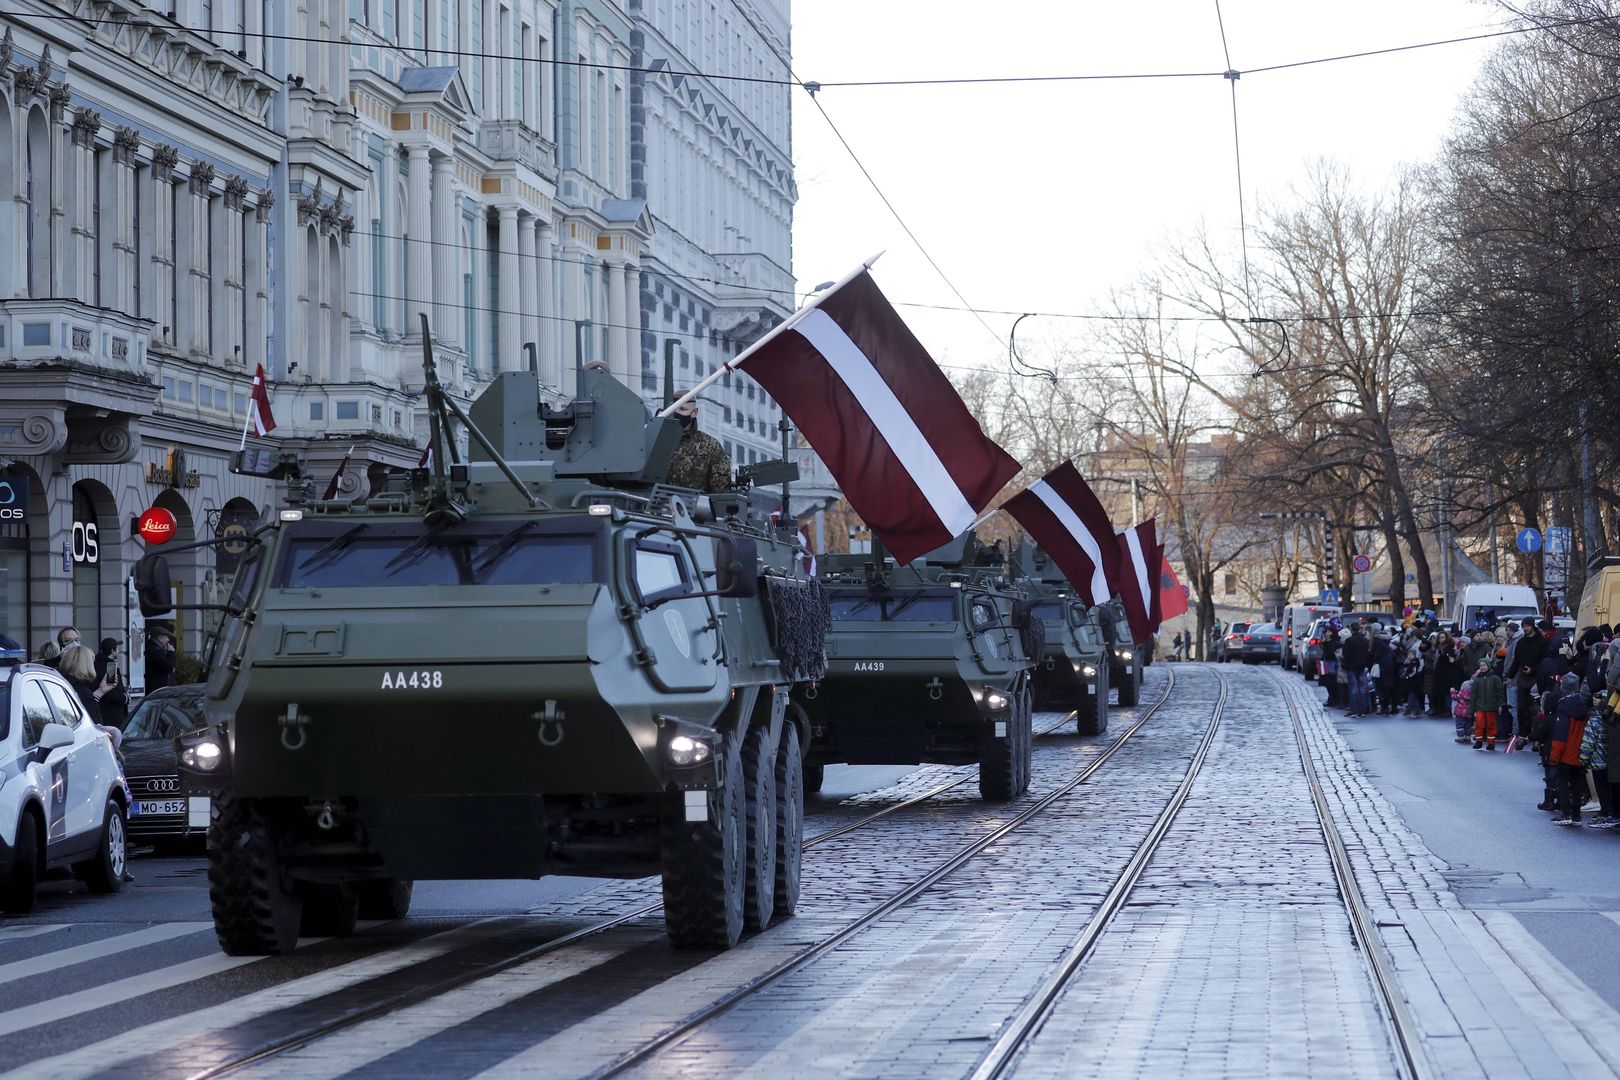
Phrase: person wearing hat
x=1486 y=698
x=159 y=657
x=1525 y=659
x=699 y=462
x=114 y=703
x=1568 y=728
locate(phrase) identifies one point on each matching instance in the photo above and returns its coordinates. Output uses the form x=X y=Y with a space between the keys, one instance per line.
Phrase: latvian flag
x=259 y=405
x=1066 y=518
x=902 y=445
x=1139 y=553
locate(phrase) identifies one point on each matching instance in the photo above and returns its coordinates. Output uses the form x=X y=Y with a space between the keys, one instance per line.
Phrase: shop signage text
x=156 y=526
x=13 y=500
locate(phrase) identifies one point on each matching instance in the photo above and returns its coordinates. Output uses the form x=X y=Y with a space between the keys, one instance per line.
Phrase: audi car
x=160 y=812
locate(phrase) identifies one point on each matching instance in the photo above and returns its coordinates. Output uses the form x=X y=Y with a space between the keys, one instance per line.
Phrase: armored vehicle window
x=413 y=556
x=1090 y=637
x=895 y=607
x=984 y=613
x=659 y=571
x=1047 y=609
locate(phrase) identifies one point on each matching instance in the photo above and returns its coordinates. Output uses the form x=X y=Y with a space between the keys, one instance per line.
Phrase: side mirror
x=152 y=585
x=53 y=736
x=736 y=567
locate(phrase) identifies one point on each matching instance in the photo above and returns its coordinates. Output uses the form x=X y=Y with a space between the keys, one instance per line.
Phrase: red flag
x=1136 y=547
x=1171 y=599
x=337 y=477
x=910 y=458
x=426 y=459
x=259 y=405
x=1067 y=519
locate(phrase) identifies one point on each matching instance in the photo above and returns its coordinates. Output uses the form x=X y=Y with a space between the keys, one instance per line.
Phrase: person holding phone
x=115 y=702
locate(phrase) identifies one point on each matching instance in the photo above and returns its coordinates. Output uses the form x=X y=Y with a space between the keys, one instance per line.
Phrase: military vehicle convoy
x=1125 y=658
x=1071 y=672
x=535 y=661
x=928 y=662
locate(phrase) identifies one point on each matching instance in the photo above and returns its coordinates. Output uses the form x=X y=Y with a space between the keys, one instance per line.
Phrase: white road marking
x=114 y=994
x=192 y=1027
x=13 y=933
x=95 y=950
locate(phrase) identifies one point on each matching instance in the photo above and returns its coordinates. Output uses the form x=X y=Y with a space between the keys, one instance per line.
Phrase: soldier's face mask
x=686 y=419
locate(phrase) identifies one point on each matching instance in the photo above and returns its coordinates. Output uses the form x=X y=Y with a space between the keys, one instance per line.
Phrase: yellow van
x=1600 y=600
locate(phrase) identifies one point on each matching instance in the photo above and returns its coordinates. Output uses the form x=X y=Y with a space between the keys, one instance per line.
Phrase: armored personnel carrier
x=535 y=661
x=1071 y=672
x=927 y=662
x=1124 y=656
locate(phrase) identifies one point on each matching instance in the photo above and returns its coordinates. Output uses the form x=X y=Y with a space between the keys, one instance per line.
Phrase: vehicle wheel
x=705 y=865
x=759 y=780
x=790 y=777
x=1129 y=686
x=1026 y=736
x=385 y=898
x=255 y=913
x=814 y=777
x=998 y=760
x=17 y=897
x=105 y=872
x=329 y=911
x=1091 y=718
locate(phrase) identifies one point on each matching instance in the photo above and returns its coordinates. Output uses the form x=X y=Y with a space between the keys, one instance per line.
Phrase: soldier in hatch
x=700 y=461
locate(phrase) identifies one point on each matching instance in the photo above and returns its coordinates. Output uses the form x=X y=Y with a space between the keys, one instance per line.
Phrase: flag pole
x=810 y=305
x=246 y=420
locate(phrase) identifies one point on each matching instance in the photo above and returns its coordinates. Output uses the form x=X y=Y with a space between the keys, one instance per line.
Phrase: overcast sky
x=1041 y=197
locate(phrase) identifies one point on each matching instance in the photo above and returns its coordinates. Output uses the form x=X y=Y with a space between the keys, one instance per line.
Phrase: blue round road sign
x=1529 y=541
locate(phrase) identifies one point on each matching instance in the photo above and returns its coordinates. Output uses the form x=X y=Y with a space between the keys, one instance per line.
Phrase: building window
x=239 y=403
x=184 y=390
x=168 y=387
x=347 y=410
x=1231 y=584
x=317 y=410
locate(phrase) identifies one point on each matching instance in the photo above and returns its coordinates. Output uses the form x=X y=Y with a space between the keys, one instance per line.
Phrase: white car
x=63 y=799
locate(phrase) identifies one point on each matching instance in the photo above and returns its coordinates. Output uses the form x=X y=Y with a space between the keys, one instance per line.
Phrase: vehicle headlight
x=1123 y=654
x=204 y=757
x=996 y=700
x=1088 y=671
x=684 y=750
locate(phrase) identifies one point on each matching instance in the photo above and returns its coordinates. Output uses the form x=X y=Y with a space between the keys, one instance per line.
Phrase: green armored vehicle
x=1125 y=657
x=927 y=662
x=537 y=661
x=1071 y=673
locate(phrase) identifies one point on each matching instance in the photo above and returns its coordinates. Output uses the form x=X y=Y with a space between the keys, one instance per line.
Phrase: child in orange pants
x=1488 y=697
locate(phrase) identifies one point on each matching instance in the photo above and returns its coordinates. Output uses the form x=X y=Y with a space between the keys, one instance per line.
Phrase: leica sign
x=156 y=526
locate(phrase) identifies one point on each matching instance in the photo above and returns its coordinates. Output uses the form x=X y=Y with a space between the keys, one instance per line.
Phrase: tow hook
x=293 y=736
x=936 y=689
x=324 y=820
x=551 y=724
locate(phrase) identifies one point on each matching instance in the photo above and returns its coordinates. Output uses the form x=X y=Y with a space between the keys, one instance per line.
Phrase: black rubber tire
x=789 y=821
x=1026 y=736
x=1130 y=686
x=18 y=895
x=105 y=872
x=759 y=780
x=329 y=911
x=998 y=760
x=384 y=898
x=705 y=863
x=255 y=913
x=1091 y=715
x=814 y=777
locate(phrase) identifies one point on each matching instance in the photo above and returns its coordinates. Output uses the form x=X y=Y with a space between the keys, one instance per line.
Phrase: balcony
x=55 y=331
x=513 y=140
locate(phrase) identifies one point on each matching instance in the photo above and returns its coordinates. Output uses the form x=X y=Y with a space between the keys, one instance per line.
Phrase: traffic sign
x=1528 y=541
x=1362 y=564
x=1560 y=539
x=1330 y=596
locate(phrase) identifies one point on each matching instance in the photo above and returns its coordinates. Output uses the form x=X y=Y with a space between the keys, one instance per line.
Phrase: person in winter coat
x=1526 y=664
x=1384 y=674
x=115 y=703
x=1329 y=665
x=1356 y=656
x=1412 y=675
x=1568 y=728
x=1541 y=736
x=159 y=658
x=1595 y=758
x=1462 y=710
x=1488 y=697
x=78 y=667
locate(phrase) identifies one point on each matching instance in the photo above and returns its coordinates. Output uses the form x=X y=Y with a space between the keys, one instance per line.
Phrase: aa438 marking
x=416 y=680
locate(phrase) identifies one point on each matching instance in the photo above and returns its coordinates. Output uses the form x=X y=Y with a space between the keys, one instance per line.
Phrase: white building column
x=165 y=264
x=526 y=286
x=229 y=262
x=511 y=297
x=446 y=287
x=632 y=336
x=419 y=229
x=617 y=349
x=550 y=359
x=256 y=283
x=573 y=309
x=195 y=306
x=81 y=240
x=121 y=274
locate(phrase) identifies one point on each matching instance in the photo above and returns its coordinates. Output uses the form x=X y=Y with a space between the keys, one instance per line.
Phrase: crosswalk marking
x=164 y=1034
x=115 y=993
x=375 y=1039
x=95 y=950
x=16 y=933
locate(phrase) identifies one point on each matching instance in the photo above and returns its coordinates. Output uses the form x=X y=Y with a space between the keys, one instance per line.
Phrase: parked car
x=1309 y=649
x=1230 y=646
x=1263 y=644
x=63 y=802
x=160 y=810
x=1296 y=620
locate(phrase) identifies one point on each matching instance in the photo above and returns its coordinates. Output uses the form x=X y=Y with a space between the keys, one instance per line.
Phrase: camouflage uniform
x=700 y=462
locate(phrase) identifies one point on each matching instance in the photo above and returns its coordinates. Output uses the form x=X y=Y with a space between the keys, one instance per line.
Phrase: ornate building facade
x=198 y=187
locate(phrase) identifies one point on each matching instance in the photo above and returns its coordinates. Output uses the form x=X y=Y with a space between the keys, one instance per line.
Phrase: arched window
x=37 y=193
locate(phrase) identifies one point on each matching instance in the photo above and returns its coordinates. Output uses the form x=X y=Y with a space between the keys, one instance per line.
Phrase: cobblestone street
x=1232 y=954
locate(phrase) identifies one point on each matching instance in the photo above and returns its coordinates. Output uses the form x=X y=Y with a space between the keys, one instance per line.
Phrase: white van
x=1496 y=600
x=1296 y=622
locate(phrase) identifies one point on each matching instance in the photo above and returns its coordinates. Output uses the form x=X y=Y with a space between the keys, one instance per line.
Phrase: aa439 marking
x=416 y=680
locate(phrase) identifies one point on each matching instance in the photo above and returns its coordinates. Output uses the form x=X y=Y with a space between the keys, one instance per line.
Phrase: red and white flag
x=1067 y=519
x=1138 y=548
x=1171 y=598
x=901 y=443
x=426 y=460
x=259 y=405
x=337 y=477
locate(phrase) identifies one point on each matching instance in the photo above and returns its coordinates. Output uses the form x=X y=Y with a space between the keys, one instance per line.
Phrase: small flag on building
x=1172 y=597
x=259 y=405
x=1067 y=519
x=1138 y=547
x=426 y=460
x=337 y=477
x=901 y=443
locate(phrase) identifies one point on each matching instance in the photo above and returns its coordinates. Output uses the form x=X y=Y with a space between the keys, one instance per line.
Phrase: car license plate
x=158 y=806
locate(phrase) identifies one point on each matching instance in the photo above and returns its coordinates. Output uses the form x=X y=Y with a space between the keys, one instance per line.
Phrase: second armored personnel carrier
x=1125 y=656
x=537 y=661
x=927 y=662
x=1071 y=672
